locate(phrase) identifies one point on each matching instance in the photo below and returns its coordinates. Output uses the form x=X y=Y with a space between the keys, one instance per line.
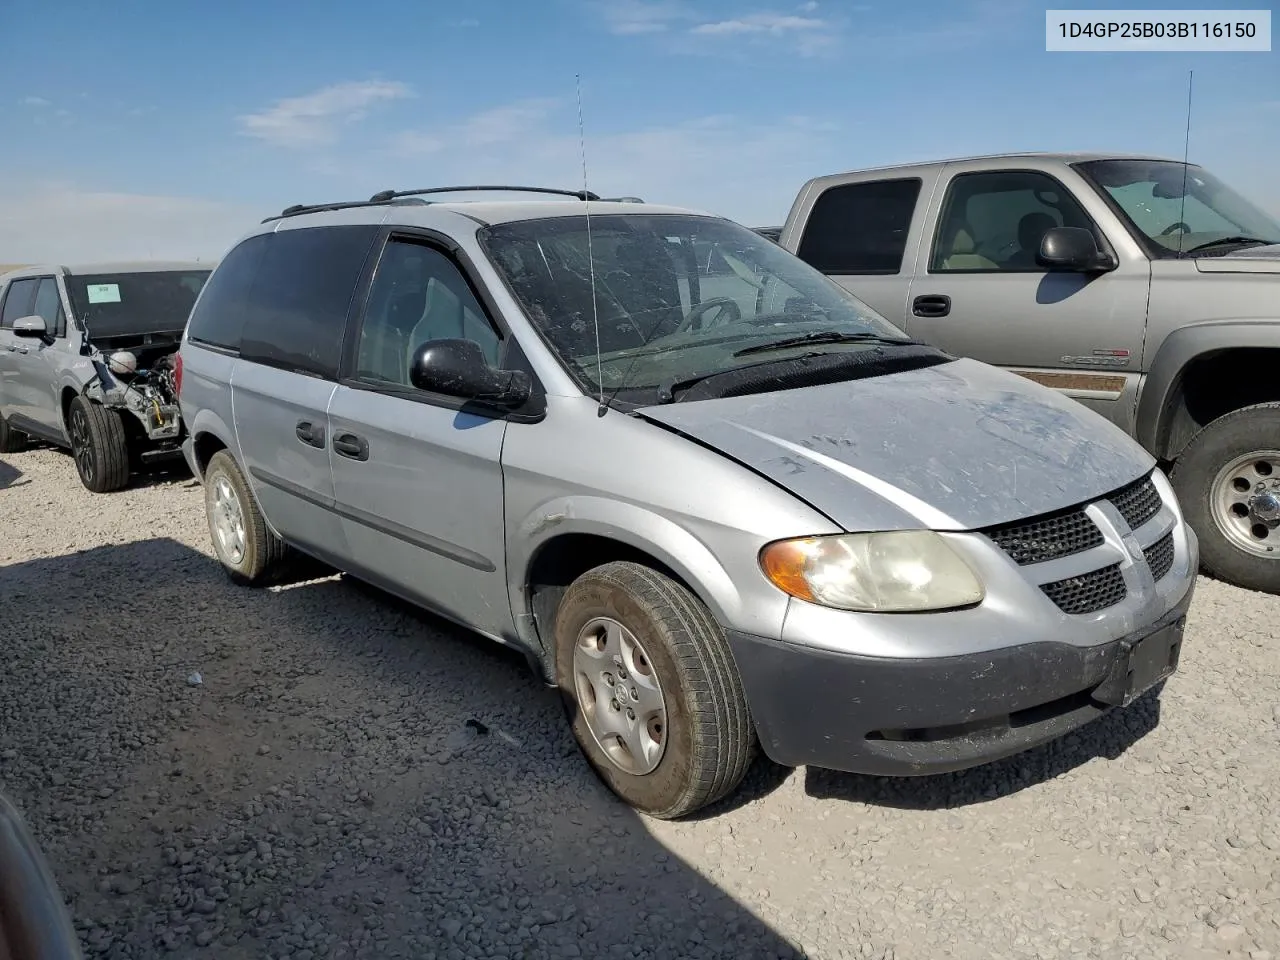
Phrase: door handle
x=933 y=305
x=20 y=349
x=311 y=434
x=350 y=446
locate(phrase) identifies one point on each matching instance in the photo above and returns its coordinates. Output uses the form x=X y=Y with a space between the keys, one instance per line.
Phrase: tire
x=11 y=440
x=99 y=445
x=1249 y=436
x=261 y=553
x=708 y=740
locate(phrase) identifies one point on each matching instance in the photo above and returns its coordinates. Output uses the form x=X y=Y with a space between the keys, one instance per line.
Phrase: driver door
x=979 y=293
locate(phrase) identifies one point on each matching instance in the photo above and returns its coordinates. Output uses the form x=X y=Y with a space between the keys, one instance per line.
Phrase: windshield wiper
x=826 y=336
x=1250 y=241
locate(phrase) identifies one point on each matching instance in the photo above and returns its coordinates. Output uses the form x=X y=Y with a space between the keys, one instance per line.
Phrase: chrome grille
x=1137 y=503
x=1160 y=556
x=1048 y=537
x=1089 y=592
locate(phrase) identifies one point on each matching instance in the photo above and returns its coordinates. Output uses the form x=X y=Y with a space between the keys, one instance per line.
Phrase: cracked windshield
x=677 y=298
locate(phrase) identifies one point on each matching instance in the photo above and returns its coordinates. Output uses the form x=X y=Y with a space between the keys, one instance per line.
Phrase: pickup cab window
x=860 y=228
x=994 y=221
x=1176 y=209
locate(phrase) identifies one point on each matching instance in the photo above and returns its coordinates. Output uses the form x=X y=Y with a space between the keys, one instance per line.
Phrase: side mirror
x=1073 y=249
x=32 y=326
x=457 y=368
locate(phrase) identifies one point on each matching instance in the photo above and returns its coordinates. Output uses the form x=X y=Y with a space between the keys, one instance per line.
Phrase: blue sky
x=142 y=128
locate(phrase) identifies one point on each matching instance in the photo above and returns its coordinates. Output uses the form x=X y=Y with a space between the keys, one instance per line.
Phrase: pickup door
x=957 y=268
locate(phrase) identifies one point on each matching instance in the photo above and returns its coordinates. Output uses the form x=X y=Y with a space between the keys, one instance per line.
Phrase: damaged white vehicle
x=88 y=362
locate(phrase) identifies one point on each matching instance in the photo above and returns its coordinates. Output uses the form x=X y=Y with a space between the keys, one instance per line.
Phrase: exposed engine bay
x=137 y=374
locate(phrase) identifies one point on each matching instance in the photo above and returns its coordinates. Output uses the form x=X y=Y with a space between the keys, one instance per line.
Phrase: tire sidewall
x=81 y=406
x=592 y=597
x=223 y=466
x=1193 y=476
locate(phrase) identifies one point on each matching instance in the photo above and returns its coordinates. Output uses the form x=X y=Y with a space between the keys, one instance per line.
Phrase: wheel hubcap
x=80 y=444
x=228 y=520
x=1246 y=503
x=620 y=696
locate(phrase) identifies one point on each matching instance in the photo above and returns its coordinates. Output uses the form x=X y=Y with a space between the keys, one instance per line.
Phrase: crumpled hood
x=958 y=446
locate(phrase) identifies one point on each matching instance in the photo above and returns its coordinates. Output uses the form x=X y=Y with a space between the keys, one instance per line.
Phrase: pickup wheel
x=11 y=440
x=651 y=689
x=99 y=445
x=1228 y=482
x=246 y=547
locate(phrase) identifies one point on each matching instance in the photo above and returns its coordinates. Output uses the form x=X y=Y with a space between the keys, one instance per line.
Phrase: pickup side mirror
x=457 y=368
x=1073 y=249
x=32 y=326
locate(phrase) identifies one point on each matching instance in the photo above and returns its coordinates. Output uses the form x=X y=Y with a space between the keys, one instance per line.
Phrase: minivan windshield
x=1206 y=218
x=135 y=303
x=677 y=298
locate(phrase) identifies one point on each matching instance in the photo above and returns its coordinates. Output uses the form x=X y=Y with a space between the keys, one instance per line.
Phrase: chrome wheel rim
x=1245 y=498
x=620 y=696
x=227 y=521
x=80 y=447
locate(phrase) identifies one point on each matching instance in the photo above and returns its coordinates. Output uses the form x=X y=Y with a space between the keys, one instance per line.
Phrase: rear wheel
x=99 y=445
x=11 y=440
x=1228 y=482
x=653 y=694
x=249 y=552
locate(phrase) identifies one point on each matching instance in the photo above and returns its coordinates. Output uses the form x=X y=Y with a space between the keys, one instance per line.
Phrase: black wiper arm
x=1251 y=241
x=826 y=336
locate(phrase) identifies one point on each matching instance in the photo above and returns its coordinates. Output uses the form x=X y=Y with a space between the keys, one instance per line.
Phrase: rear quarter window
x=218 y=316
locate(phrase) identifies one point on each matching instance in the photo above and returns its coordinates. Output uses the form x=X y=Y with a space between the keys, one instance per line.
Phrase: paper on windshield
x=104 y=292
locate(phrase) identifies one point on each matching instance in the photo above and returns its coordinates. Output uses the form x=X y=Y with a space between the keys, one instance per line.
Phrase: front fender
x=1158 y=395
x=760 y=611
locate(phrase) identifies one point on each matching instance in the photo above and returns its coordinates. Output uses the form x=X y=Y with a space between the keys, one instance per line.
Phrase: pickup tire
x=1228 y=483
x=651 y=689
x=99 y=445
x=11 y=440
x=248 y=550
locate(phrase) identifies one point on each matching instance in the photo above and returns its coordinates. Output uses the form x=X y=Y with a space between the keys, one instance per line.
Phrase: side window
x=298 y=310
x=17 y=302
x=417 y=295
x=860 y=228
x=993 y=222
x=48 y=304
x=218 y=316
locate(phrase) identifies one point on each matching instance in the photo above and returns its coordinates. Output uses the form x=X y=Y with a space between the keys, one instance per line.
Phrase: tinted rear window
x=219 y=315
x=860 y=228
x=130 y=304
x=297 y=312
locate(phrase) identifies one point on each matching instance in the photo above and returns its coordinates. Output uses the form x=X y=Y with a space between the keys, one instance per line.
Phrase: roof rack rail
x=385 y=195
x=300 y=208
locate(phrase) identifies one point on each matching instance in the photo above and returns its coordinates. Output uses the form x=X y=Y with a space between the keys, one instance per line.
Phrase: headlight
x=895 y=572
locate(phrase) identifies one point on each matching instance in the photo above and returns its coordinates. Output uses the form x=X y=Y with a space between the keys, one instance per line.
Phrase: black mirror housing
x=457 y=368
x=1073 y=249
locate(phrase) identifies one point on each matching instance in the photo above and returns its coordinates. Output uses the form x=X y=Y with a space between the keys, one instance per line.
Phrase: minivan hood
x=958 y=446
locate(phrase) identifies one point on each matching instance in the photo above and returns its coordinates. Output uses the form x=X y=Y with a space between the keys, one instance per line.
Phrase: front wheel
x=1228 y=482
x=652 y=691
x=99 y=445
x=248 y=550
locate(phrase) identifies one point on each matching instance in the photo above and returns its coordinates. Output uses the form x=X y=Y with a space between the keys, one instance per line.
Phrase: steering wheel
x=1175 y=226
x=730 y=312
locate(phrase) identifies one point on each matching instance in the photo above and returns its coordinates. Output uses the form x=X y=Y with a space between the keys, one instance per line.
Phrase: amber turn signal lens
x=785 y=562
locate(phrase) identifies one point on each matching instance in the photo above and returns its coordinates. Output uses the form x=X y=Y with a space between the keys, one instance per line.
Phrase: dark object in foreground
x=34 y=924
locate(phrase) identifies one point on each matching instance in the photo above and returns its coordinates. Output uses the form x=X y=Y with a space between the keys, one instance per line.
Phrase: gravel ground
x=349 y=778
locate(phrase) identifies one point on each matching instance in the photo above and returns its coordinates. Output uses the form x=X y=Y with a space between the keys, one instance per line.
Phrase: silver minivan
x=720 y=503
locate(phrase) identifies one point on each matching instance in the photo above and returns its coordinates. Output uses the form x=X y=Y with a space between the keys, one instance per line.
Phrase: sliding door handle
x=933 y=305
x=350 y=446
x=312 y=434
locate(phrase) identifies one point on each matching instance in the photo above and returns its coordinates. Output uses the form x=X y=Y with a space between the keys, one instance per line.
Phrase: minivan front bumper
x=891 y=716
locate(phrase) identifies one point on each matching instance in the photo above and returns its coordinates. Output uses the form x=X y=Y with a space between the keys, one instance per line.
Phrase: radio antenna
x=1186 y=154
x=591 y=261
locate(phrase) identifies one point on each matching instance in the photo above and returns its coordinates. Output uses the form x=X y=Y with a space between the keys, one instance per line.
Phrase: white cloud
x=684 y=30
x=35 y=102
x=634 y=17
x=497 y=125
x=60 y=222
x=756 y=23
x=313 y=119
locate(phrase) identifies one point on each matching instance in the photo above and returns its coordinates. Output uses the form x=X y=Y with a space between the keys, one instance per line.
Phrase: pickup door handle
x=350 y=446
x=310 y=433
x=13 y=349
x=934 y=305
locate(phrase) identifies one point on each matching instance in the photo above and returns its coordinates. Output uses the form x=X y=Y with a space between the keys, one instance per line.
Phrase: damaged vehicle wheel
x=11 y=440
x=99 y=445
x=248 y=550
